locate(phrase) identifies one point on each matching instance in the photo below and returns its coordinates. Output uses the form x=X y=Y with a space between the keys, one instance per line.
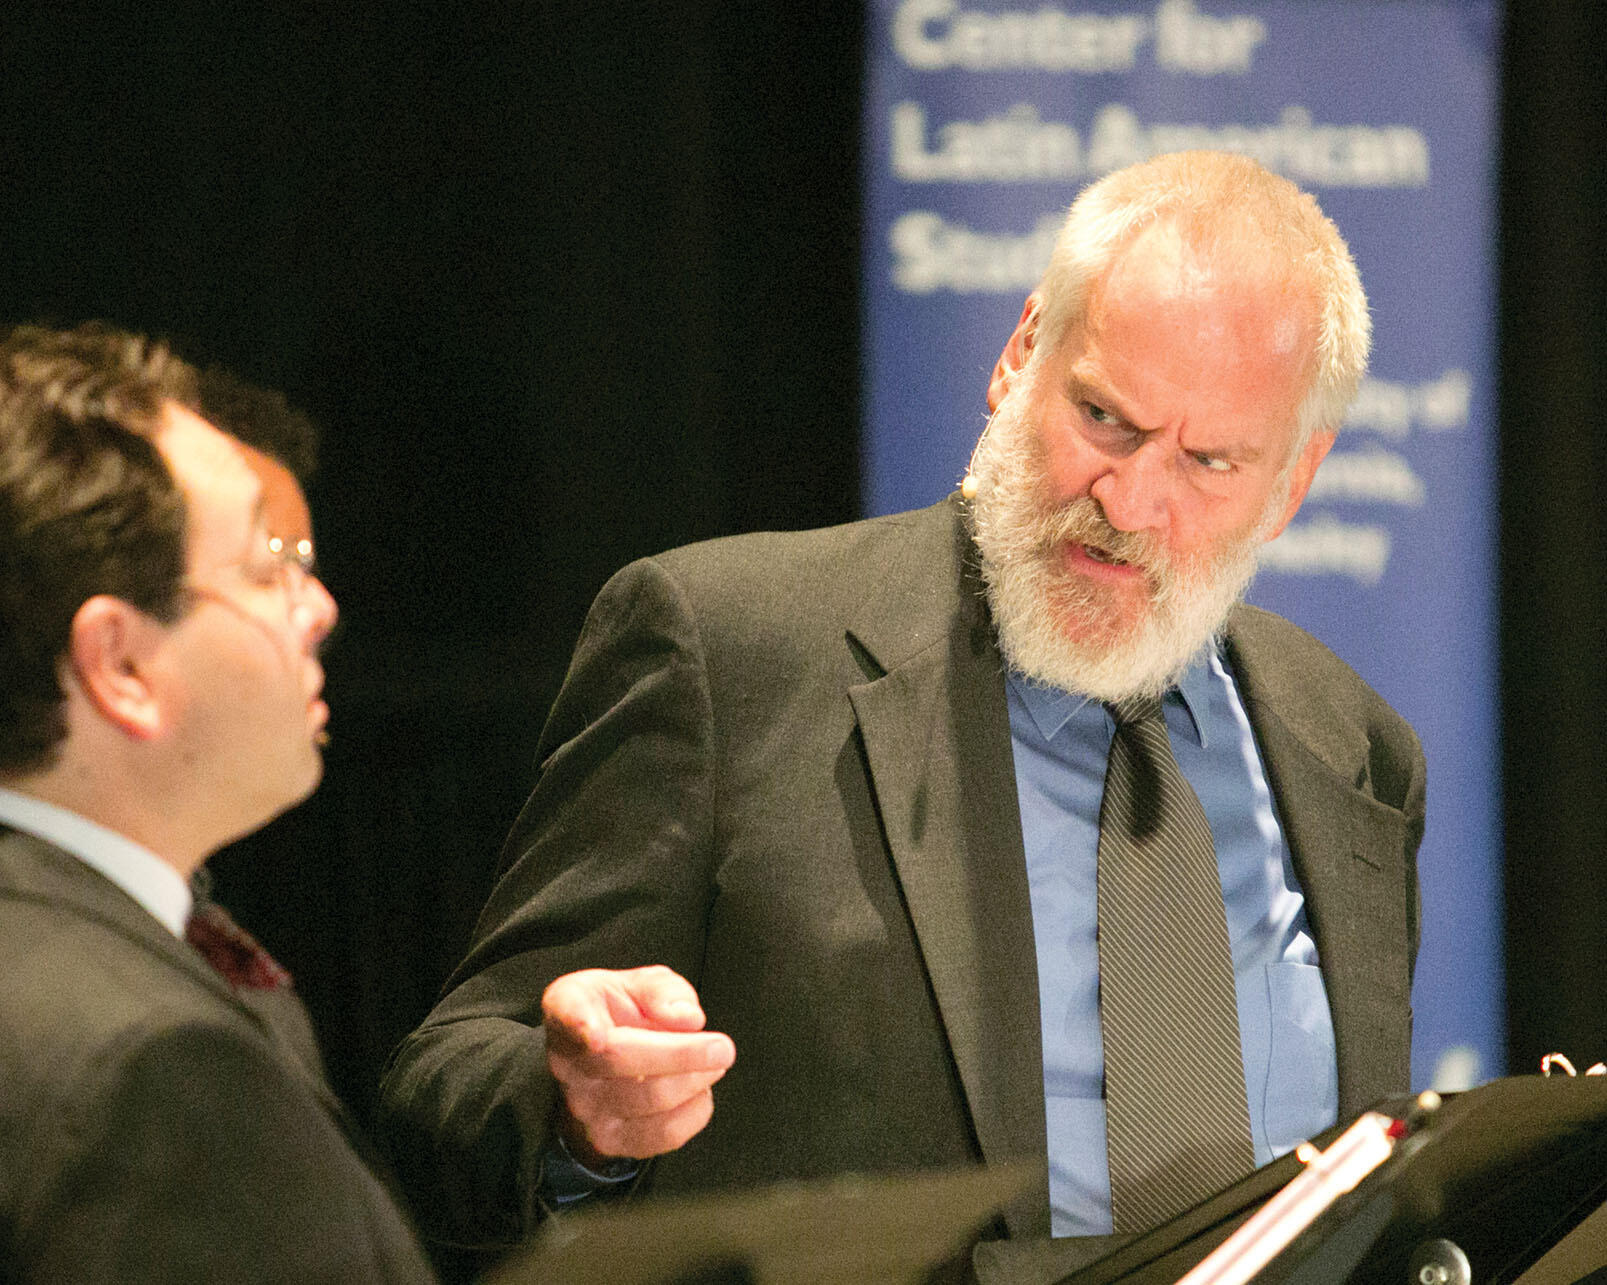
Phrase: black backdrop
x=567 y=283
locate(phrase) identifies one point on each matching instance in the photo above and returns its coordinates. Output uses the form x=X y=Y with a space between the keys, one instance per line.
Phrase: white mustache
x=1082 y=521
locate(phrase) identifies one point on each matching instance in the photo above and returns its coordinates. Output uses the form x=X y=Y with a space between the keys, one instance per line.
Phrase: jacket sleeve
x=608 y=866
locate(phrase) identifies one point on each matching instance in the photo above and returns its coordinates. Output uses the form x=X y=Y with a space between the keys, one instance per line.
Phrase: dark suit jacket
x=781 y=764
x=151 y=1127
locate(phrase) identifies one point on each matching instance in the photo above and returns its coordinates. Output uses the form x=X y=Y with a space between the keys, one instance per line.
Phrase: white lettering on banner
x=1016 y=146
x=1187 y=40
x=1458 y=1068
x=1383 y=407
x=931 y=255
x=1308 y=153
x=1326 y=546
x=933 y=35
x=1020 y=146
x=1390 y=409
x=1378 y=476
x=1444 y=403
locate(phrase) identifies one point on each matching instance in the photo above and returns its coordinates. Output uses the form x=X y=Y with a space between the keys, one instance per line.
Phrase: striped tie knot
x=1132 y=710
x=1146 y=750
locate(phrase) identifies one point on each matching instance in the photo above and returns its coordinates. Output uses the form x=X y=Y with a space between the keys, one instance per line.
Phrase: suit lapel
x=937 y=742
x=41 y=871
x=1345 y=846
x=935 y=725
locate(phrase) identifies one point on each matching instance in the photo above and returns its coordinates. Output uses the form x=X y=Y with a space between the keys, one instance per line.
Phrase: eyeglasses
x=298 y=555
x=279 y=566
x=295 y=564
x=286 y=564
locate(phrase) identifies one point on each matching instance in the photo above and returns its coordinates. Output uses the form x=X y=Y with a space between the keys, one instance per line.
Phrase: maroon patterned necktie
x=231 y=950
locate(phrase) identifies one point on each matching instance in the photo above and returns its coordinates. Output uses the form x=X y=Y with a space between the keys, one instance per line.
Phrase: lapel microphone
x=969 y=485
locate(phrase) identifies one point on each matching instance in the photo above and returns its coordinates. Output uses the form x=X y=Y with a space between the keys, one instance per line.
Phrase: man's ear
x=1305 y=469
x=109 y=651
x=1017 y=349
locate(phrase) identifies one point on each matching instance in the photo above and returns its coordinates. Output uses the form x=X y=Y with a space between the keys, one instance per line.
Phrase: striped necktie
x=1177 y=1123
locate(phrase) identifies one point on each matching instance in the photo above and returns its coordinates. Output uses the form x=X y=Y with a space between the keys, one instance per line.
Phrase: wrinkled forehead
x=1230 y=294
x=1169 y=265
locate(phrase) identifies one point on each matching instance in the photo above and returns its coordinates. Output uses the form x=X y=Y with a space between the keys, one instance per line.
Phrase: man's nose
x=316 y=611
x=1135 y=490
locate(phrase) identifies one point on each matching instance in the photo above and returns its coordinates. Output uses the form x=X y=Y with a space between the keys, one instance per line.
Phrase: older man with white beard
x=829 y=864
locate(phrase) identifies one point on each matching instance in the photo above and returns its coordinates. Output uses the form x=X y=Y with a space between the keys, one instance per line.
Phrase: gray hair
x=1230 y=208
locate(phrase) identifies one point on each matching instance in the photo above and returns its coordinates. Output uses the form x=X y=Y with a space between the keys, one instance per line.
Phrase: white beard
x=1064 y=630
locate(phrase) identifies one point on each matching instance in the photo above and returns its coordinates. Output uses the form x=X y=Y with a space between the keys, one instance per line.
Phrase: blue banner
x=984 y=119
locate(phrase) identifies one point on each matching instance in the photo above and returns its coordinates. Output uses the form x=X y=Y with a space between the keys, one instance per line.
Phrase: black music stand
x=1505 y=1173
x=877 y=1229
x=1513 y=1174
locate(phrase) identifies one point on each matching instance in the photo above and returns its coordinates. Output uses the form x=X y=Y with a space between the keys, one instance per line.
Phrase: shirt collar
x=1051 y=708
x=138 y=871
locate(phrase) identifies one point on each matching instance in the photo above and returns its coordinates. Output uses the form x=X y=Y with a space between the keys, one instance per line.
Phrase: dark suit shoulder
x=1285 y=672
x=102 y=958
x=152 y=1131
x=780 y=599
x=796 y=575
x=757 y=615
x=186 y=1150
x=81 y=995
x=1299 y=670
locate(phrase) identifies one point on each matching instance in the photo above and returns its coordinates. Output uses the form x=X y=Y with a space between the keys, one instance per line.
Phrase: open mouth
x=1103 y=555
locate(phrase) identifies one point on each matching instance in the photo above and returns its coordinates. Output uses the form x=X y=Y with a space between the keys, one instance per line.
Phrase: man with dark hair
x=259 y=417
x=159 y=697
x=996 y=831
x=280 y=445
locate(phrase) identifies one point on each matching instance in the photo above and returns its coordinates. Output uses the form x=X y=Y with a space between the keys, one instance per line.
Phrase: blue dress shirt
x=1061 y=743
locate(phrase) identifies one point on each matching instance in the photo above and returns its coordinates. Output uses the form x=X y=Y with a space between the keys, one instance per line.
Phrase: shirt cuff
x=565 y=1180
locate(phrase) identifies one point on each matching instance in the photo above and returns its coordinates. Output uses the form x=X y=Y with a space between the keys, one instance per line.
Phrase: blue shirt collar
x=1052 y=708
